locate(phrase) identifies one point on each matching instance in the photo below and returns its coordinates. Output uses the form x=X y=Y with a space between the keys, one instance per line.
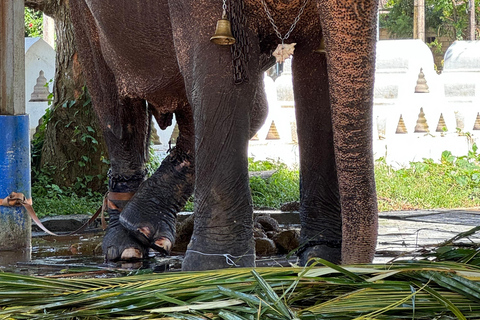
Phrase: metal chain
x=240 y=49
x=294 y=24
x=224 y=7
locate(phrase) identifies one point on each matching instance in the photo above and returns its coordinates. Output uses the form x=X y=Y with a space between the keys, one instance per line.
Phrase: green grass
x=452 y=182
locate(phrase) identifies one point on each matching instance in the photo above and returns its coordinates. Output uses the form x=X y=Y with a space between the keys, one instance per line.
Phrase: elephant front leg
x=350 y=37
x=223 y=225
x=320 y=212
x=151 y=214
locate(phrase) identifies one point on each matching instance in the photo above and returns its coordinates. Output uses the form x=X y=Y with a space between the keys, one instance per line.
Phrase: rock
x=184 y=233
x=287 y=240
x=271 y=234
x=258 y=233
x=290 y=206
x=268 y=223
x=265 y=247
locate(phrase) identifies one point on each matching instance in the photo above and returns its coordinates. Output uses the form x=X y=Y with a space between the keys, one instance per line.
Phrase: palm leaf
x=326 y=292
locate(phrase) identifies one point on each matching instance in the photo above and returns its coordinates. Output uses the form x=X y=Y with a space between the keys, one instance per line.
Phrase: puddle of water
x=81 y=255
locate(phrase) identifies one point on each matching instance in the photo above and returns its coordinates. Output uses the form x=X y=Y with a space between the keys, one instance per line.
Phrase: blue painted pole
x=15 y=224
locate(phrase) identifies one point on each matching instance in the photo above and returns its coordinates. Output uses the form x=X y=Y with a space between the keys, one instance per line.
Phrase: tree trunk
x=74 y=152
x=471 y=20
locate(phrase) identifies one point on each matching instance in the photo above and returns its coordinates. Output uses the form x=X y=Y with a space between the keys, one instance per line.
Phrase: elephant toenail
x=131 y=253
x=145 y=231
x=164 y=243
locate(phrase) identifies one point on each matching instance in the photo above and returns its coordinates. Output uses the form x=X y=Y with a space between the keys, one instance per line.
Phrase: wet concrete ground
x=400 y=234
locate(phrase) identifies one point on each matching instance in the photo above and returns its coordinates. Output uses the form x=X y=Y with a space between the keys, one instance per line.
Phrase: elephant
x=154 y=58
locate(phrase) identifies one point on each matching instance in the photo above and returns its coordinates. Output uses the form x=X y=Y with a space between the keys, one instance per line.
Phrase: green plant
x=33 y=23
x=454 y=182
x=445 y=17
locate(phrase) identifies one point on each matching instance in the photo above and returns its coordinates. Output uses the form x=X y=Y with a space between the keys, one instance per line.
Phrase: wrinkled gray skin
x=159 y=51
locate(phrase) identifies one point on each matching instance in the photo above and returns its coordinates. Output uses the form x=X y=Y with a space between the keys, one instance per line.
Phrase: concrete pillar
x=419 y=20
x=15 y=231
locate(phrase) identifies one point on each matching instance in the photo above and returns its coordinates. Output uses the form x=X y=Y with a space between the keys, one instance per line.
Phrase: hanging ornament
x=283 y=51
x=223 y=32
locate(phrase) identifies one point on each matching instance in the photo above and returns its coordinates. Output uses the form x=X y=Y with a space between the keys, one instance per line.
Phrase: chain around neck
x=294 y=24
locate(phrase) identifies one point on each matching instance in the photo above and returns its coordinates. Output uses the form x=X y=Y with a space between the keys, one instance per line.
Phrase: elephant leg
x=124 y=123
x=223 y=224
x=128 y=153
x=350 y=37
x=320 y=213
x=151 y=214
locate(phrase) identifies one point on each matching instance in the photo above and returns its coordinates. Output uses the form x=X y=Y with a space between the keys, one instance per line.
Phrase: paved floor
x=401 y=232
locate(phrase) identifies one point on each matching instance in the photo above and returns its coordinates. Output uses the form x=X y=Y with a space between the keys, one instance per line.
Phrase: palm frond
x=403 y=290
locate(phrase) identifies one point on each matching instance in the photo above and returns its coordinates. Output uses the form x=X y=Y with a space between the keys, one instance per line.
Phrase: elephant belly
x=137 y=45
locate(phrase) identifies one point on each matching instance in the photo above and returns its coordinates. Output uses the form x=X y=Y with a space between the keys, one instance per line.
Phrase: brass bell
x=321 y=49
x=223 y=33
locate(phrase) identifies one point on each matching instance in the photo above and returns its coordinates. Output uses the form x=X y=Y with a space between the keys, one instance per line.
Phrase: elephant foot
x=328 y=250
x=118 y=244
x=197 y=260
x=151 y=230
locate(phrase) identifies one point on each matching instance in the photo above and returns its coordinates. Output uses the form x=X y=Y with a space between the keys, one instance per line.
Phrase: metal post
x=15 y=225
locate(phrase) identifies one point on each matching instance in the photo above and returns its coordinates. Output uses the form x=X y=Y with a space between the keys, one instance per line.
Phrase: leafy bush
x=33 y=23
x=281 y=187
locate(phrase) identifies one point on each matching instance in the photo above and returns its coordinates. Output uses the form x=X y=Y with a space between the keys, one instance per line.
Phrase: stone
x=265 y=247
x=258 y=233
x=184 y=233
x=401 y=128
x=290 y=206
x=273 y=132
x=287 y=240
x=476 y=126
x=461 y=72
x=40 y=90
x=441 y=126
x=422 y=125
x=268 y=223
x=421 y=86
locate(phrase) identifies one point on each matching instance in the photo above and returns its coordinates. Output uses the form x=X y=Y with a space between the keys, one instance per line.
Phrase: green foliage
x=281 y=187
x=452 y=183
x=50 y=200
x=33 y=23
x=444 y=17
x=154 y=161
x=78 y=197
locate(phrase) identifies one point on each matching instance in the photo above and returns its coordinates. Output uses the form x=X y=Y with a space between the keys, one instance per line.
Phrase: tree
x=73 y=152
x=448 y=18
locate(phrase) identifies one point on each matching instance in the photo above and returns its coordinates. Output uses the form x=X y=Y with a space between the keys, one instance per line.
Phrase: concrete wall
x=39 y=56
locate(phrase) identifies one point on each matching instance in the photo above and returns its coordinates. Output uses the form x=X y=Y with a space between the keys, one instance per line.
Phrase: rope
x=16 y=199
x=228 y=257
